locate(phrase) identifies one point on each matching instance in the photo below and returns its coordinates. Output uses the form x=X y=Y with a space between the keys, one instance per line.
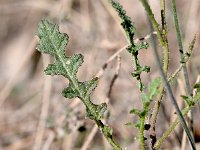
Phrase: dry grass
x=34 y=115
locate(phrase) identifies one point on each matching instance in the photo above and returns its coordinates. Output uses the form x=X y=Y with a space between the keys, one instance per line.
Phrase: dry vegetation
x=33 y=113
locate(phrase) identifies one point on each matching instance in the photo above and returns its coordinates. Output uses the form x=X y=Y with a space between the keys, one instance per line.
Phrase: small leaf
x=70 y=93
x=55 y=69
x=153 y=88
x=188 y=100
x=135 y=111
x=145 y=99
x=137 y=125
x=142 y=45
x=96 y=112
x=88 y=87
x=151 y=92
x=51 y=40
x=197 y=87
x=126 y=20
x=73 y=63
x=143 y=113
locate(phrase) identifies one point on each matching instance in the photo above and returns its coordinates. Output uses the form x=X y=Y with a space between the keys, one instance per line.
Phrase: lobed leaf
x=152 y=90
x=133 y=48
x=126 y=21
x=53 y=42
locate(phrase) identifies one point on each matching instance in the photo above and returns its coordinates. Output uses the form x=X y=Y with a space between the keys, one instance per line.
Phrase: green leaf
x=137 y=124
x=135 y=111
x=70 y=92
x=188 y=100
x=197 y=87
x=88 y=87
x=53 y=42
x=138 y=71
x=152 y=90
x=55 y=69
x=96 y=112
x=133 y=48
x=126 y=20
x=145 y=99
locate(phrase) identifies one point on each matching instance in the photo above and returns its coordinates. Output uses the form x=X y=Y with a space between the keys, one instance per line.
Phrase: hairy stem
x=175 y=123
x=162 y=73
x=141 y=134
x=162 y=37
x=109 y=138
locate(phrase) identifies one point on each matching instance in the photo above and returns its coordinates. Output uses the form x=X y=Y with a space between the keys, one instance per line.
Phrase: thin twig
x=181 y=50
x=114 y=77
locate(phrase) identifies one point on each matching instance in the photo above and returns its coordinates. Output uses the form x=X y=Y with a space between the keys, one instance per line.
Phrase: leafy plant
x=146 y=98
x=53 y=42
x=132 y=48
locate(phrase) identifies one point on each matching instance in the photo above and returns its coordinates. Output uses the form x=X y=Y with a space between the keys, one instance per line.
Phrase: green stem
x=162 y=73
x=137 y=66
x=175 y=123
x=141 y=134
x=180 y=44
x=162 y=37
x=109 y=138
x=153 y=21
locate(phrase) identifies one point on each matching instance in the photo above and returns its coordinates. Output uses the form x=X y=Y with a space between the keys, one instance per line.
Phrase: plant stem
x=173 y=100
x=153 y=21
x=180 y=44
x=162 y=73
x=163 y=17
x=170 y=79
x=141 y=134
x=109 y=138
x=162 y=37
x=175 y=123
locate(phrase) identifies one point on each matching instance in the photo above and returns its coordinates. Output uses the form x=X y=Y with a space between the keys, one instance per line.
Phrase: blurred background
x=33 y=113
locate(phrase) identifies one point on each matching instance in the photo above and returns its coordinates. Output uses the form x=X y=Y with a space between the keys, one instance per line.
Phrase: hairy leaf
x=126 y=21
x=133 y=48
x=152 y=90
x=53 y=42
